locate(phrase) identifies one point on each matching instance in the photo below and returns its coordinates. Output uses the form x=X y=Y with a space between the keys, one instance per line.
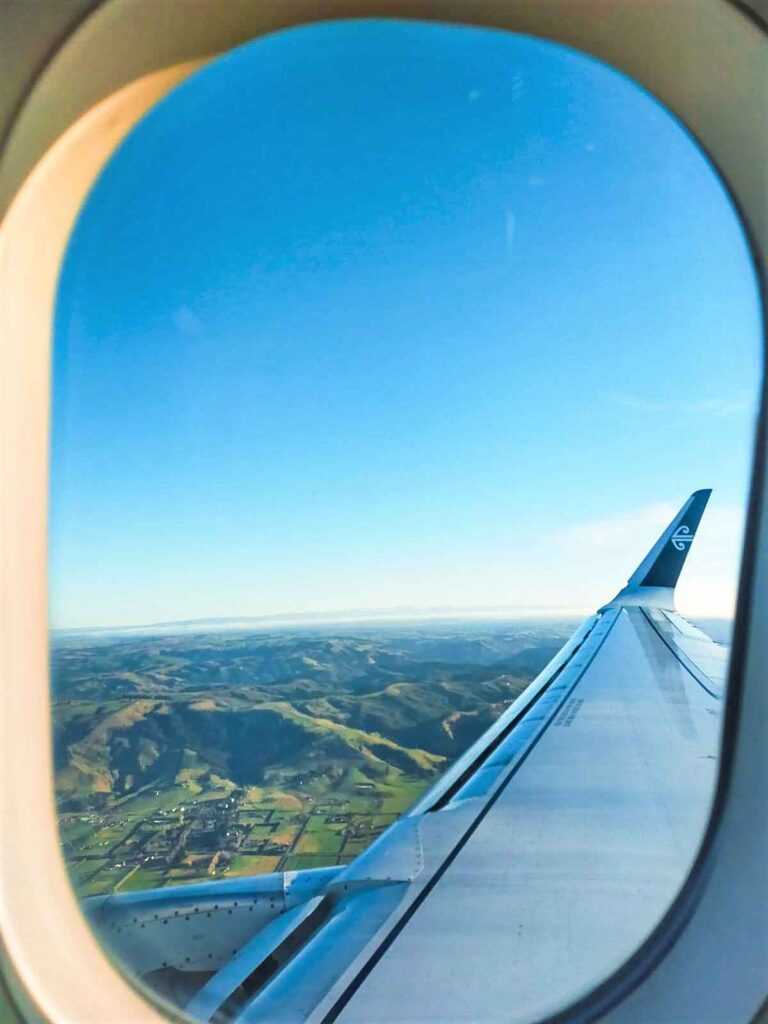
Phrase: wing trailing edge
x=654 y=580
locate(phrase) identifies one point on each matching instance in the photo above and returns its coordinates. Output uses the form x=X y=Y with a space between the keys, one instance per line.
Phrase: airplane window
x=385 y=355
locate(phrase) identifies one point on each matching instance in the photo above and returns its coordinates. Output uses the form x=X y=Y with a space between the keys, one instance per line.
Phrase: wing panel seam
x=682 y=657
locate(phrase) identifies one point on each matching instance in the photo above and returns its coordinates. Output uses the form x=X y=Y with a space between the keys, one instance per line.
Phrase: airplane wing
x=532 y=870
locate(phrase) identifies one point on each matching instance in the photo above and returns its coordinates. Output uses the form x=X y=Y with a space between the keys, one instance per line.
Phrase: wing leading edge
x=536 y=865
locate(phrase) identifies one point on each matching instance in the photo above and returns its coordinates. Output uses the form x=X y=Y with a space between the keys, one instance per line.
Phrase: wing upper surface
x=577 y=858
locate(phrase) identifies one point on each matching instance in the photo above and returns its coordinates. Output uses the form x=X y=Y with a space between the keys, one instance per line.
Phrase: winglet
x=654 y=580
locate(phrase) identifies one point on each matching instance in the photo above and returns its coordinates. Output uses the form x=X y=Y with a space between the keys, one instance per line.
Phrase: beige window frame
x=704 y=59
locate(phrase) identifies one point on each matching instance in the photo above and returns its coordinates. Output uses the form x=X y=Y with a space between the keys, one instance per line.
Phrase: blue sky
x=370 y=315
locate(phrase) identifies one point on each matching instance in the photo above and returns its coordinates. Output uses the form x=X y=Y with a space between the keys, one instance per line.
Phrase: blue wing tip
x=656 y=577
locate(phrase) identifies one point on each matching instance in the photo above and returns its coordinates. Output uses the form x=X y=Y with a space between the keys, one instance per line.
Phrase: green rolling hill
x=183 y=756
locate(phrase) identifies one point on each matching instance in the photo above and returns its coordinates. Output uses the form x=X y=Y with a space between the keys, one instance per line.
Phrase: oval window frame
x=67 y=125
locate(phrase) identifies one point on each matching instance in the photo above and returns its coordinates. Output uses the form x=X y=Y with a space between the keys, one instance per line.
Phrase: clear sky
x=372 y=315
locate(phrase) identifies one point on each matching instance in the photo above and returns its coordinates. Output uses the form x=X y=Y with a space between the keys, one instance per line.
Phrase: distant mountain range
x=266 y=709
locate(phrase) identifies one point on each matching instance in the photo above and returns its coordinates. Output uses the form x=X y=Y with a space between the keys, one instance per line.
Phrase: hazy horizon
x=358 y=617
x=340 y=616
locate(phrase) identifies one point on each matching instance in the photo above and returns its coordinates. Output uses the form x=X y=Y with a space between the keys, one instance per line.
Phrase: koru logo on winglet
x=681 y=537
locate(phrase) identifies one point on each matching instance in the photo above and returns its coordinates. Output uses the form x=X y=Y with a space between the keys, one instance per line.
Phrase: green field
x=247 y=841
